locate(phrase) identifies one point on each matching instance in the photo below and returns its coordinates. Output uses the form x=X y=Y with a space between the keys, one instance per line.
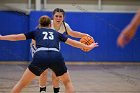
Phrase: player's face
x=58 y=17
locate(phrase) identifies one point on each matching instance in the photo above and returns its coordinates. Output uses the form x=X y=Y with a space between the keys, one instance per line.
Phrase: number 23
x=48 y=35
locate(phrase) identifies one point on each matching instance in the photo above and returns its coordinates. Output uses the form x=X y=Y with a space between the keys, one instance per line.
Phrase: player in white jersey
x=62 y=29
x=59 y=25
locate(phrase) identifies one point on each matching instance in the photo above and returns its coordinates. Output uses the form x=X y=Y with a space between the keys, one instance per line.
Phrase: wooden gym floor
x=86 y=77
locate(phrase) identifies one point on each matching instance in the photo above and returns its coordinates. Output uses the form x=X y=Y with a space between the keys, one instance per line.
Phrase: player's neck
x=56 y=26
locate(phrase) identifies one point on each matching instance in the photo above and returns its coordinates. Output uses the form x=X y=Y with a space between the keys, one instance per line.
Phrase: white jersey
x=62 y=28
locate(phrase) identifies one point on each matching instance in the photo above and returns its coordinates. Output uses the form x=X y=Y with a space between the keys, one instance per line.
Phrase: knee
x=66 y=81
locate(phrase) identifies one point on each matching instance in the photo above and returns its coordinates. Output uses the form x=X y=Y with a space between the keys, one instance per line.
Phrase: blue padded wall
x=104 y=27
x=13 y=23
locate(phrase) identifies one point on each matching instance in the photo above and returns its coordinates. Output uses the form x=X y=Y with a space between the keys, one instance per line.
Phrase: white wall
x=75 y=5
x=125 y=2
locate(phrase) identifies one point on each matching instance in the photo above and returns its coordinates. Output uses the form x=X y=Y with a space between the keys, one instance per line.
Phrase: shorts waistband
x=47 y=49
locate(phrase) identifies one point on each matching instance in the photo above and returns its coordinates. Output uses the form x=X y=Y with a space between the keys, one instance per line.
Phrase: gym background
x=102 y=19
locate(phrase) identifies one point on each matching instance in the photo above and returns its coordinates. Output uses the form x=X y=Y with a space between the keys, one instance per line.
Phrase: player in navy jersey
x=47 y=54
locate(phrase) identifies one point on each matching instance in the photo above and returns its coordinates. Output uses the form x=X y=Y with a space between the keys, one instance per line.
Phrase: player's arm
x=128 y=33
x=14 y=37
x=77 y=34
x=80 y=45
x=133 y=25
x=73 y=33
x=136 y=20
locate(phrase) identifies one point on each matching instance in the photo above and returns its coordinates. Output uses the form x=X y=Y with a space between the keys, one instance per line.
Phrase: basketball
x=86 y=40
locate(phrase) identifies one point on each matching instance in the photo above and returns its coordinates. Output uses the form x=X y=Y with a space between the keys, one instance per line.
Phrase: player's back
x=47 y=54
x=45 y=37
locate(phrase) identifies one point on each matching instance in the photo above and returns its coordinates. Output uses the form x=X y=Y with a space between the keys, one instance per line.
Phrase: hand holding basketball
x=88 y=40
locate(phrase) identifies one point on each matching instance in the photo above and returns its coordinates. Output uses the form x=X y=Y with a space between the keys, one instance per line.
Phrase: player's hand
x=88 y=35
x=93 y=45
x=125 y=37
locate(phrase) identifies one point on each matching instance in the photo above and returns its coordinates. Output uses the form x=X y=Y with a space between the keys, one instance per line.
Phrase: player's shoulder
x=66 y=23
x=45 y=29
x=50 y=29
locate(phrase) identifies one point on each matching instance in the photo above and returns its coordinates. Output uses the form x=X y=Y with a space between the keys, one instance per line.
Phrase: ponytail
x=65 y=28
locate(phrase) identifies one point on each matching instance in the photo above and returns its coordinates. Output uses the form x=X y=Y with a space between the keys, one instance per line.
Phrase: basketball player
x=47 y=54
x=129 y=32
x=60 y=26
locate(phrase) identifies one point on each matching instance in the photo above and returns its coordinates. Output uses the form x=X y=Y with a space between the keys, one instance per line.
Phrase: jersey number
x=48 y=35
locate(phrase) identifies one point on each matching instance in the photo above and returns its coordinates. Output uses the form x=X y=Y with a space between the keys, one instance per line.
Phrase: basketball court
x=86 y=77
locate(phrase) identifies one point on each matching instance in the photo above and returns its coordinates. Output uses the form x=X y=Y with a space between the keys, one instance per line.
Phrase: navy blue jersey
x=45 y=37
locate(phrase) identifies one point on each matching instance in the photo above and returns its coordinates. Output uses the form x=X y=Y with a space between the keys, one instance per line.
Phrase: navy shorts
x=43 y=60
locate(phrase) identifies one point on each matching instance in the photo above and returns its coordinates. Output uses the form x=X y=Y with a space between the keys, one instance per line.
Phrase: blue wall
x=104 y=27
x=13 y=23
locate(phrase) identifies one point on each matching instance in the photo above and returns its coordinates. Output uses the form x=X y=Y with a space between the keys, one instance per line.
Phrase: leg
x=65 y=78
x=26 y=78
x=55 y=83
x=43 y=80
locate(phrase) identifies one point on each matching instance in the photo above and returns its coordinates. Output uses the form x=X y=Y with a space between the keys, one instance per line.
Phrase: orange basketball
x=87 y=40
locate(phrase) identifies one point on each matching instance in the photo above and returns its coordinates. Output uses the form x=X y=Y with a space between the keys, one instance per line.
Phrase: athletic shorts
x=43 y=60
